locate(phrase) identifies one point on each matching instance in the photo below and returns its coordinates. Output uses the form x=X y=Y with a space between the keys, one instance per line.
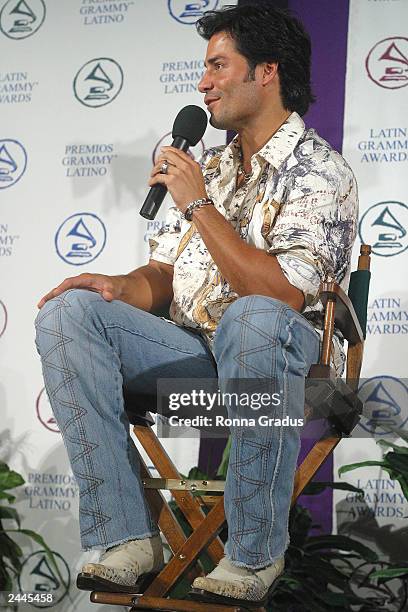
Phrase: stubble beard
x=221 y=123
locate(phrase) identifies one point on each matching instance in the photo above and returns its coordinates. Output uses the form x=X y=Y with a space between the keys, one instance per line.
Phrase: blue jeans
x=93 y=350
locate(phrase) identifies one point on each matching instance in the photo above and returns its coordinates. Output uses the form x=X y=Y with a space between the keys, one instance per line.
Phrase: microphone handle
x=157 y=193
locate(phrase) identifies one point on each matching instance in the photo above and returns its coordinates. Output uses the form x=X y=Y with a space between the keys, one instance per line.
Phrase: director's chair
x=326 y=397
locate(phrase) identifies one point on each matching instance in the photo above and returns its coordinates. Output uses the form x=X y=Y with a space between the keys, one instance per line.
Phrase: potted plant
x=395 y=462
x=10 y=551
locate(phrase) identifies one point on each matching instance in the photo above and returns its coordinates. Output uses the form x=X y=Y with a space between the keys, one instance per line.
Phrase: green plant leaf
x=11 y=550
x=389 y=574
x=314 y=488
x=354 y=466
x=404 y=486
x=10 y=480
x=397 y=461
x=223 y=467
x=327 y=571
x=6 y=583
x=39 y=539
x=10 y=498
x=9 y=513
x=196 y=474
x=342 y=543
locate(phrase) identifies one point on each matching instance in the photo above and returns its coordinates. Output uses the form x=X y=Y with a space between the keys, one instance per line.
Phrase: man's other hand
x=109 y=287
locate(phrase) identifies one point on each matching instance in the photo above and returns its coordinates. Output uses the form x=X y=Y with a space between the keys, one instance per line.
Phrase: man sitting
x=255 y=227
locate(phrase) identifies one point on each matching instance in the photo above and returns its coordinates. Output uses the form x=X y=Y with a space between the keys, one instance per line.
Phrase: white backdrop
x=376 y=146
x=87 y=91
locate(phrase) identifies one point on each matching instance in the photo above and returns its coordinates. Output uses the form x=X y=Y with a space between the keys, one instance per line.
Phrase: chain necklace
x=241 y=171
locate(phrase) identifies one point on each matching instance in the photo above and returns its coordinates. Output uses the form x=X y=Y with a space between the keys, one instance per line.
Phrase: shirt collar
x=278 y=147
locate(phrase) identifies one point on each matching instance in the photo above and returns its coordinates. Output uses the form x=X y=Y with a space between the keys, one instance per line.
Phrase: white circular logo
x=38 y=575
x=387 y=63
x=383 y=226
x=190 y=12
x=98 y=82
x=3 y=318
x=385 y=400
x=22 y=18
x=166 y=140
x=13 y=162
x=44 y=412
x=80 y=239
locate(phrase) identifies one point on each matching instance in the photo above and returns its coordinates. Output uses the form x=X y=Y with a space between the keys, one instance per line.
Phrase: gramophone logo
x=44 y=412
x=385 y=401
x=166 y=140
x=98 y=82
x=190 y=12
x=22 y=18
x=387 y=63
x=38 y=574
x=384 y=227
x=80 y=239
x=13 y=162
x=3 y=318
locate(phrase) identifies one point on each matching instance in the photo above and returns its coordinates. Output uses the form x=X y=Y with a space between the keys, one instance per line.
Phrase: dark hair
x=266 y=34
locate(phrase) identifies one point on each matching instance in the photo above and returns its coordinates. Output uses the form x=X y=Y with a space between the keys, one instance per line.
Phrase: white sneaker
x=128 y=567
x=237 y=583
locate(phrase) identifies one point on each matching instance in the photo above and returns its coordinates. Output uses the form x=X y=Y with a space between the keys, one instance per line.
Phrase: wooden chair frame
x=206 y=527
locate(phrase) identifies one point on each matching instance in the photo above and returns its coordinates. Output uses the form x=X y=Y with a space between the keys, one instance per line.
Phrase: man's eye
x=218 y=66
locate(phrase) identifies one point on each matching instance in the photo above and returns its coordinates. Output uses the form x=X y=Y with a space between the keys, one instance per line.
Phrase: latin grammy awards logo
x=22 y=18
x=387 y=63
x=190 y=12
x=166 y=140
x=383 y=226
x=98 y=82
x=44 y=412
x=80 y=239
x=39 y=575
x=385 y=401
x=3 y=318
x=13 y=162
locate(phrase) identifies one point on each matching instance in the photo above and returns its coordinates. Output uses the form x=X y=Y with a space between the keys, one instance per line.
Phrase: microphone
x=188 y=128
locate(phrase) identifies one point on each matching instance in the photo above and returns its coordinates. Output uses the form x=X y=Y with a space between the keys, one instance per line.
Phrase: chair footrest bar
x=183 y=485
x=184 y=605
x=141 y=602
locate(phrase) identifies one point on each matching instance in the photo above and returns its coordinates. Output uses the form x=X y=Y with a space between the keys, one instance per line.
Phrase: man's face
x=232 y=98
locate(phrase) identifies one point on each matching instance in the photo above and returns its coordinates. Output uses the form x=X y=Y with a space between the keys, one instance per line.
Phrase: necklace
x=241 y=173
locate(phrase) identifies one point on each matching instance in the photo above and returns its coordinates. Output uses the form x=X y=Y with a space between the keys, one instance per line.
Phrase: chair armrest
x=345 y=315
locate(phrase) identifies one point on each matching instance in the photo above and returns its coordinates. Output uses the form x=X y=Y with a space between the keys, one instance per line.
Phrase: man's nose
x=205 y=83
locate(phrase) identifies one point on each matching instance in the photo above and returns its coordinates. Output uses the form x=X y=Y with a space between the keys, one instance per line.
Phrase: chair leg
x=187 y=503
x=311 y=463
x=166 y=520
x=192 y=547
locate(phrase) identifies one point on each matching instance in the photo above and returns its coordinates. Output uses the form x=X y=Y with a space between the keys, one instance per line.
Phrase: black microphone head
x=190 y=124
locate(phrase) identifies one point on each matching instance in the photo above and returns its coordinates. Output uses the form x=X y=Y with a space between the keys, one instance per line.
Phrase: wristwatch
x=194 y=205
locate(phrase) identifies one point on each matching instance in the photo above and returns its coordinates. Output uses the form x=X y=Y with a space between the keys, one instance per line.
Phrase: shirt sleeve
x=314 y=233
x=164 y=244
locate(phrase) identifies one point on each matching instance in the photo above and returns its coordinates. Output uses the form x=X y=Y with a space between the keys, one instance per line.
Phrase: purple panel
x=327 y=24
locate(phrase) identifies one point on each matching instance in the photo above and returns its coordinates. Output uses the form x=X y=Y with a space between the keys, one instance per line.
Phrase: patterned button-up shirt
x=300 y=204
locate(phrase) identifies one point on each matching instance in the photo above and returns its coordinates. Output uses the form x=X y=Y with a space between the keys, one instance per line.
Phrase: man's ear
x=269 y=72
